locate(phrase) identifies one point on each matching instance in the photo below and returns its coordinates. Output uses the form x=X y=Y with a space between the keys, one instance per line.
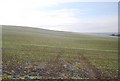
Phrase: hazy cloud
x=21 y=12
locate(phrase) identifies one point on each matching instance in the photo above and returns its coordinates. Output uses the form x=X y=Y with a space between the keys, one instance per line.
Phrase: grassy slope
x=41 y=45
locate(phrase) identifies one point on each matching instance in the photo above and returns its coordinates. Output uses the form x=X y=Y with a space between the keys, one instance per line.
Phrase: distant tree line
x=115 y=35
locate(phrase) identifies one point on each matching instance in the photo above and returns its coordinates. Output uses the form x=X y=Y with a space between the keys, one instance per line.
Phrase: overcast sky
x=63 y=15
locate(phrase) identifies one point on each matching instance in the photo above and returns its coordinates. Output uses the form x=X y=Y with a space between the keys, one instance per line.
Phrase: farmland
x=38 y=53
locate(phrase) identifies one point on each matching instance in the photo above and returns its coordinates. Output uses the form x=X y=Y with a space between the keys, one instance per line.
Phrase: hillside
x=38 y=36
x=47 y=53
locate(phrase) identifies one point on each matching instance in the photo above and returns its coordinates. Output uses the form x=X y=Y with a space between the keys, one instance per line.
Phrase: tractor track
x=91 y=69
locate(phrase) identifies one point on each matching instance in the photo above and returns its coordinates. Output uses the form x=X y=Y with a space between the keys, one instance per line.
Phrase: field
x=44 y=54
